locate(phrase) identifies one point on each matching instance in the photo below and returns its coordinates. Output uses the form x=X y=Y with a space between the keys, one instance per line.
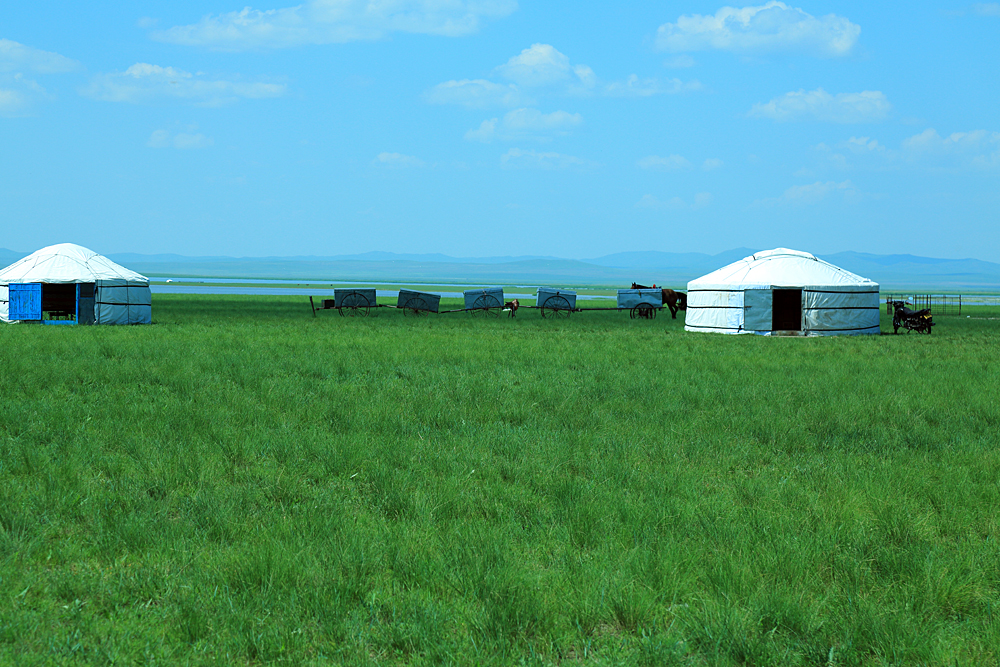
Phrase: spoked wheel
x=556 y=306
x=643 y=311
x=354 y=305
x=486 y=305
x=415 y=306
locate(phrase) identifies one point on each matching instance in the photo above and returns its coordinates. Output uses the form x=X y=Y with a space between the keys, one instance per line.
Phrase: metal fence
x=942 y=304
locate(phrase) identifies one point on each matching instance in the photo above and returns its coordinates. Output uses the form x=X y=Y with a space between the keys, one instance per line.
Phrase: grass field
x=242 y=483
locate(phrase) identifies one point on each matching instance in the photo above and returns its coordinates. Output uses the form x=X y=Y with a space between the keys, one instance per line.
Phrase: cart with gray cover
x=641 y=303
x=417 y=303
x=555 y=303
x=352 y=302
x=484 y=302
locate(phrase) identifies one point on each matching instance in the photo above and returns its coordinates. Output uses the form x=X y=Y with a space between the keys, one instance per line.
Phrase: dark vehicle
x=910 y=320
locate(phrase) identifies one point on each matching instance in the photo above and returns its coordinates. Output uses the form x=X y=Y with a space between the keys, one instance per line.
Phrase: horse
x=674 y=300
x=512 y=306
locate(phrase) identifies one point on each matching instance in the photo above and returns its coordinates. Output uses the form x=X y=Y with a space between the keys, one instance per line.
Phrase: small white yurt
x=783 y=292
x=69 y=284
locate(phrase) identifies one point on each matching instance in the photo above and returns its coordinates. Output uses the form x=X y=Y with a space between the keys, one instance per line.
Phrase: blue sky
x=500 y=127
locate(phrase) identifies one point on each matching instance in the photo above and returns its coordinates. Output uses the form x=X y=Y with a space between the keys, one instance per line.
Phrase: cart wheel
x=643 y=311
x=486 y=305
x=415 y=306
x=556 y=307
x=354 y=305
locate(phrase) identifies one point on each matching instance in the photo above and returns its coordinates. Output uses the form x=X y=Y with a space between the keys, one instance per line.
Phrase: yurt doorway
x=52 y=303
x=786 y=311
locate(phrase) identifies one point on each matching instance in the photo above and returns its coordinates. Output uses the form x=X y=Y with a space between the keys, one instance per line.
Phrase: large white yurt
x=69 y=284
x=783 y=292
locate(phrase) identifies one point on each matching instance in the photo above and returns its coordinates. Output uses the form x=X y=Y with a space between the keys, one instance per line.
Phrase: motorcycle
x=910 y=320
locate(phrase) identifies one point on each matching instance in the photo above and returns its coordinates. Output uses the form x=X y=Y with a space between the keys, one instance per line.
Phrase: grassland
x=243 y=483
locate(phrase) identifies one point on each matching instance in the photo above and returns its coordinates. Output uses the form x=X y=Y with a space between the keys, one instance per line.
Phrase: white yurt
x=69 y=284
x=783 y=292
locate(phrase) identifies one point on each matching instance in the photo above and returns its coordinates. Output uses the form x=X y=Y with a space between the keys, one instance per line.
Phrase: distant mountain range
x=663 y=268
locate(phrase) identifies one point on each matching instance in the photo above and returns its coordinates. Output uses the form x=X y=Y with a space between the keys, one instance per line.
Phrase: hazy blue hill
x=920 y=272
x=673 y=261
x=376 y=256
x=129 y=258
x=669 y=269
x=534 y=271
x=8 y=257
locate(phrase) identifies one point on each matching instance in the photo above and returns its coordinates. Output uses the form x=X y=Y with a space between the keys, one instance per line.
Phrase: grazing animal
x=512 y=306
x=673 y=300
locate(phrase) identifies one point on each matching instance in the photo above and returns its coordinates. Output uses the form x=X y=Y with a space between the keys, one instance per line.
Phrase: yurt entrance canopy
x=786 y=292
x=69 y=284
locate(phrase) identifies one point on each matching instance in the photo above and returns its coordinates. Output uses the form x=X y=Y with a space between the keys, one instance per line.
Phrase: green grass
x=243 y=483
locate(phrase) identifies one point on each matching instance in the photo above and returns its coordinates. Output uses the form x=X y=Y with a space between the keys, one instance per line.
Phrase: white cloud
x=398 y=160
x=864 y=107
x=12 y=103
x=516 y=158
x=181 y=140
x=670 y=162
x=526 y=124
x=475 y=94
x=653 y=203
x=20 y=92
x=864 y=145
x=771 y=27
x=864 y=148
x=543 y=65
x=533 y=120
x=18 y=99
x=711 y=163
x=159 y=139
x=143 y=82
x=813 y=193
x=335 y=21
x=987 y=8
x=485 y=132
x=541 y=70
x=633 y=86
x=679 y=62
x=979 y=148
x=928 y=149
x=15 y=57
x=929 y=141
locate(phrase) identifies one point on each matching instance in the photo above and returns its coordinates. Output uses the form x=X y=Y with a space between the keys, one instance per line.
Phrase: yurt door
x=25 y=301
x=757 y=310
x=787 y=307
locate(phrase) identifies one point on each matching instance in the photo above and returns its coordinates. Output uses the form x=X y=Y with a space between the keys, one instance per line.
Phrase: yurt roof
x=66 y=263
x=780 y=267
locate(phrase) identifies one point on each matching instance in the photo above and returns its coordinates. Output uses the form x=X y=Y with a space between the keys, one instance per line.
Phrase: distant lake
x=312 y=283
x=247 y=287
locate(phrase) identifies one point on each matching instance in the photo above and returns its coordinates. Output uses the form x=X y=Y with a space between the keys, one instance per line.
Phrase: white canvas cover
x=122 y=296
x=740 y=297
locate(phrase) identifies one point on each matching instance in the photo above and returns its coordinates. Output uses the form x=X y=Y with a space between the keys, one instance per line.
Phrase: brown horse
x=673 y=300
